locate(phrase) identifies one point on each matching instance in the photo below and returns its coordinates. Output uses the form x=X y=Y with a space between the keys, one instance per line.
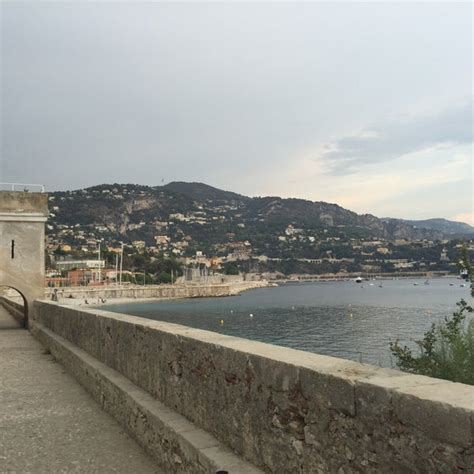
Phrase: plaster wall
x=283 y=410
x=22 y=218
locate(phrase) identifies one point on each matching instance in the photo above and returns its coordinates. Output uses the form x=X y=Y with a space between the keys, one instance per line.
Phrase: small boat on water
x=358 y=280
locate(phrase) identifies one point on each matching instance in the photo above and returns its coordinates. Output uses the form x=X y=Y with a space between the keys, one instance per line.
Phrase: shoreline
x=375 y=278
x=98 y=302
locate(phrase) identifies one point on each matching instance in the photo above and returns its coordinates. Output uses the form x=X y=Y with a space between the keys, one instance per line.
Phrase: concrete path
x=48 y=422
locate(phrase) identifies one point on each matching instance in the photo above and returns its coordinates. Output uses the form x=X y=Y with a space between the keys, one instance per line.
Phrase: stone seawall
x=283 y=410
x=155 y=291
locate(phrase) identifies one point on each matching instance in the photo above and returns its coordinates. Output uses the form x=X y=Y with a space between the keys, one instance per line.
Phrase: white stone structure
x=22 y=220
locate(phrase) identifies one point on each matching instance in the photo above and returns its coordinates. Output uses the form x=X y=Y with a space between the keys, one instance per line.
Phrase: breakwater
x=153 y=291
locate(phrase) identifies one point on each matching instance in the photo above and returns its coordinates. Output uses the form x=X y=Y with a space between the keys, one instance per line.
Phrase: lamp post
x=116 y=268
x=121 y=264
x=100 y=265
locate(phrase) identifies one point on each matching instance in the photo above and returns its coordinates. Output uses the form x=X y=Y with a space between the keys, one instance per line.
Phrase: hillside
x=133 y=211
x=203 y=192
x=288 y=235
x=448 y=228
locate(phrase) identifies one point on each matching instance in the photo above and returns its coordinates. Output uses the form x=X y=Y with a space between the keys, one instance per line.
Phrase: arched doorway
x=13 y=309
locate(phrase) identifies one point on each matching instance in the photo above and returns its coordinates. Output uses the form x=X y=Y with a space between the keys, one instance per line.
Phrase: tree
x=231 y=269
x=164 y=277
x=447 y=349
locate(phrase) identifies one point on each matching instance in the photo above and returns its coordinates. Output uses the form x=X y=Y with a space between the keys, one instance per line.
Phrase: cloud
x=243 y=97
x=433 y=182
x=467 y=217
x=447 y=128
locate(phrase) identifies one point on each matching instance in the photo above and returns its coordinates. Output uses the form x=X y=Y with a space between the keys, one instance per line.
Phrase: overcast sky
x=366 y=105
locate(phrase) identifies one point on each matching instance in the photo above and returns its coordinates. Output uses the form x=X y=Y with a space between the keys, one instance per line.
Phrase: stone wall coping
x=22 y=217
x=456 y=395
x=19 y=202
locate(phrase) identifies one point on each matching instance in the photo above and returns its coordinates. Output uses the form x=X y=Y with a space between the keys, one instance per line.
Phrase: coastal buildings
x=261 y=234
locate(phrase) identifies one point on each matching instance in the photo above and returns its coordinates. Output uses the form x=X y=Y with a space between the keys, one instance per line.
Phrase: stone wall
x=154 y=291
x=284 y=410
x=17 y=310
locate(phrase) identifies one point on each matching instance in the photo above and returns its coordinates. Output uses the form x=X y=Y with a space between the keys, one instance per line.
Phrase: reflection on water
x=342 y=319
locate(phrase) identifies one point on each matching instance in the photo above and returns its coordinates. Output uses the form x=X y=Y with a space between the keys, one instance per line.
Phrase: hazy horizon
x=367 y=105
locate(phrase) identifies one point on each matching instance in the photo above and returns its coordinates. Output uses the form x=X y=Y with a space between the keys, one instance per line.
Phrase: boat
x=358 y=280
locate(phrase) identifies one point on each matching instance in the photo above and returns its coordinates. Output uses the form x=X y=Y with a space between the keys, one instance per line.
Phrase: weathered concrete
x=281 y=409
x=48 y=422
x=22 y=218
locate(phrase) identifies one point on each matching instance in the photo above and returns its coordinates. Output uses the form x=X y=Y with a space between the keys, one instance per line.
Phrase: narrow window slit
x=13 y=249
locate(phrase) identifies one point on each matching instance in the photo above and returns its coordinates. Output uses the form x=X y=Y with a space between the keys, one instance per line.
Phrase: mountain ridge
x=437 y=224
x=124 y=206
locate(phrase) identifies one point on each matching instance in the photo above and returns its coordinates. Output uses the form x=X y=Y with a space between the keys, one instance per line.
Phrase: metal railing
x=27 y=187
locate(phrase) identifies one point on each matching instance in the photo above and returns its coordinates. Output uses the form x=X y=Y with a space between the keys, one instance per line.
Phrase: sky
x=368 y=105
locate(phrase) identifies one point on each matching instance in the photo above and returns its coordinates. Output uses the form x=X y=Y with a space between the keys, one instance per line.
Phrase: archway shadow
x=13 y=308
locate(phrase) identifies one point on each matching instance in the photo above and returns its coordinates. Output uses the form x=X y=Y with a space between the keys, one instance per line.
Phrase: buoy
x=222 y=321
x=251 y=315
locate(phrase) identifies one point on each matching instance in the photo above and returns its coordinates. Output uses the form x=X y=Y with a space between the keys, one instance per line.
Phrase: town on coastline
x=194 y=234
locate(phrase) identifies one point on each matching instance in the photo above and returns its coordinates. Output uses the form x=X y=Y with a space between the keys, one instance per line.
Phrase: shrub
x=446 y=350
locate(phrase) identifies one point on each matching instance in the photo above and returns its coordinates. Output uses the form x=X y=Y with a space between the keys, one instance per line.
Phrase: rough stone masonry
x=283 y=410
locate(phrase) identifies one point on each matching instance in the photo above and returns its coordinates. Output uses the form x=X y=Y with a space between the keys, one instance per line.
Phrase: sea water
x=341 y=319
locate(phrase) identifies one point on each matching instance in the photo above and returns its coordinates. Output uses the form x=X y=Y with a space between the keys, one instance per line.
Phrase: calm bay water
x=342 y=319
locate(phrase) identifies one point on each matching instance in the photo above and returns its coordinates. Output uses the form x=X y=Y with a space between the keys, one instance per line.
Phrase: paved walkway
x=48 y=422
